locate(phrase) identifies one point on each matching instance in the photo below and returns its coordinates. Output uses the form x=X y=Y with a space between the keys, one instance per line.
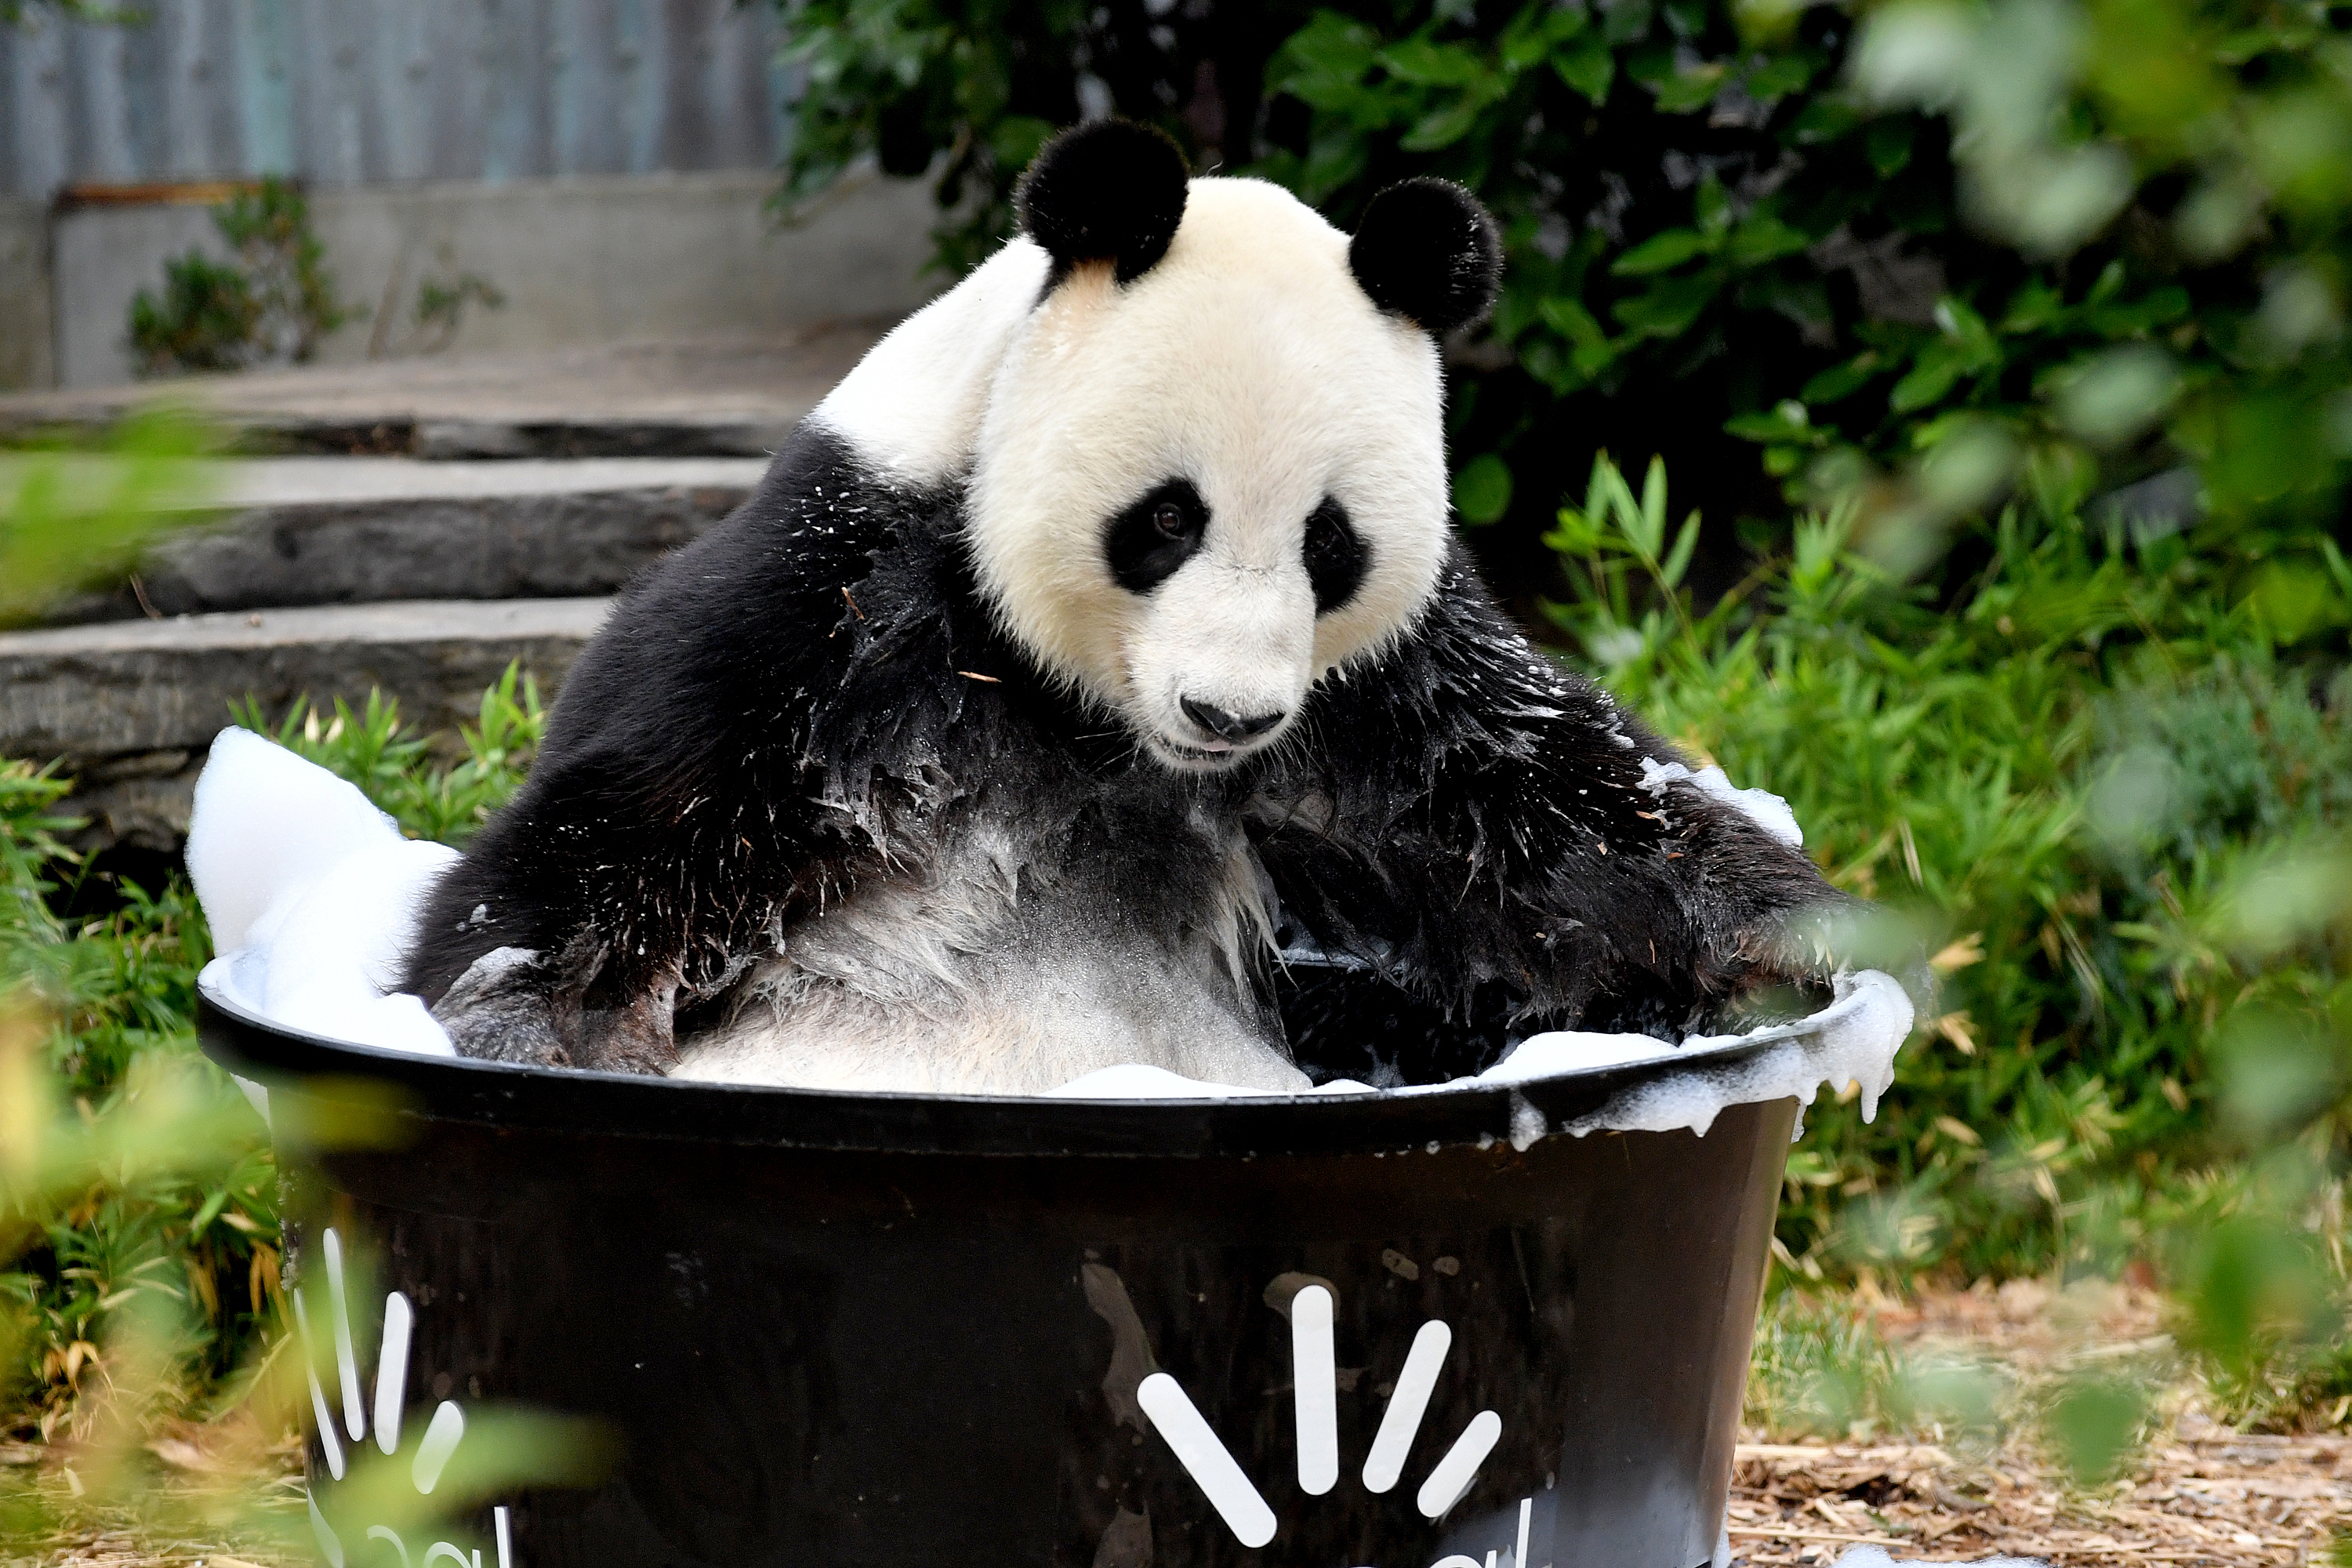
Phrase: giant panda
x=1095 y=678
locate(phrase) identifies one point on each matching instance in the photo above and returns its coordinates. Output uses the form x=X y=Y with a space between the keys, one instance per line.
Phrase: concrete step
x=684 y=398
x=132 y=707
x=328 y=530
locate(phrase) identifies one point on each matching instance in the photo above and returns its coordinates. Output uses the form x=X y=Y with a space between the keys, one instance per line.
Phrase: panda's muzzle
x=1228 y=728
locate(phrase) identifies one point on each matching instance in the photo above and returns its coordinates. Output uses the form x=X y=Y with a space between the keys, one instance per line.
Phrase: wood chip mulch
x=2199 y=1493
x=206 y=1497
x=2221 y=1497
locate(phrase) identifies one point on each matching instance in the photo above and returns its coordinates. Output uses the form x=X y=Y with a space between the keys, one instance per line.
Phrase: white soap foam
x=1135 y=1080
x=266 y=821
x=1567 y=1050
x=1764 y=808
x=1853 y=1040
x=313 y=895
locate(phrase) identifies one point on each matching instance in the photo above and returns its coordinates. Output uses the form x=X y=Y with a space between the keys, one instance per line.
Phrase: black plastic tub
x=890 y=1331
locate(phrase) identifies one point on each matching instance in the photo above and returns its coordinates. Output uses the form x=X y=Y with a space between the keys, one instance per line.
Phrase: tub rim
x=576 y=1101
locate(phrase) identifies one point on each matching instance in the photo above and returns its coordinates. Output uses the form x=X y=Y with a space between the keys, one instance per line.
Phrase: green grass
x=2114 y=805
x=135 y=1185
x=1820 y=1368
x=406 y=774
x=97 y=1219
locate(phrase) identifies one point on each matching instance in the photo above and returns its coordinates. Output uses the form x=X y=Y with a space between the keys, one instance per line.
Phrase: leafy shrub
x=207 y=318
x=2194 y=154
x=162 y=1216
x=441 y=307
x=1730 y=245
x=1615 y=147
x=271 y=304
x=399 y=770
x=135 y=1184
x=2095 y=790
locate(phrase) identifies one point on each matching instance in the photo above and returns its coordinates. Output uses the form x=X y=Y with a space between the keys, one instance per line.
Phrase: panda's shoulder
x=761 y=617
x=820 y=515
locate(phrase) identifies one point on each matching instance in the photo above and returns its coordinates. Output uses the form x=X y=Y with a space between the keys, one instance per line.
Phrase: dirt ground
x=2199 y=1494
x=2217 y=1497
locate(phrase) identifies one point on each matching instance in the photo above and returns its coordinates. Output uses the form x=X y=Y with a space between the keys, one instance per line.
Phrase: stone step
x=681 y=398
x=131 y=707
x=328 y=530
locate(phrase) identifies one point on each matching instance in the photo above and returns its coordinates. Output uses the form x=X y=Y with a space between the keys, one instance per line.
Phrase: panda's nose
x=1228 y=726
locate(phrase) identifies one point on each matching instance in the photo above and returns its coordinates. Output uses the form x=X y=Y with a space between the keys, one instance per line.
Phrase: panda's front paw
x=632 y=1034
x=514 y=1006
x=502 y=1010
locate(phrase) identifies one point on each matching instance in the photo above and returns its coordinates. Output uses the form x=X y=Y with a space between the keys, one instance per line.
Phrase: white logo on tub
x=1314 y=1379
x=442 y=1434
x=1314 y=1388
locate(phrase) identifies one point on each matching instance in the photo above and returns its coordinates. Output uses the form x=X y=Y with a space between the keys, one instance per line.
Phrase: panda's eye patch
x=1148 y=541
x=1336 y=556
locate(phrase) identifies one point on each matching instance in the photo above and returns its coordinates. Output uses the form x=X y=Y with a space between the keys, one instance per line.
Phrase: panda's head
x=1211 y=467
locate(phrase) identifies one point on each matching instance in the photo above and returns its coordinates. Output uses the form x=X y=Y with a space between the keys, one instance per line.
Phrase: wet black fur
x=1111 y=191
x=742 y=743
x=1427 y=250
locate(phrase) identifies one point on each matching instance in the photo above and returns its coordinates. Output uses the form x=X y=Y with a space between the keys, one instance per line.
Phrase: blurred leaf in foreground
x=2094 y=1423
x=68 y=518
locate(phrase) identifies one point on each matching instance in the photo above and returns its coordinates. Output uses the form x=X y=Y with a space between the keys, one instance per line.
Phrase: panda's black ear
x=1108 y=191
x=1427 y=250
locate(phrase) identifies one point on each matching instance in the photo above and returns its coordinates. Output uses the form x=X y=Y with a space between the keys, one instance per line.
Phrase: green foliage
x=1736 y=233
x=2091 y=787
x=136 y=1199
x=2202 y=149
x=2114 y=802
x=206 y=318
x=69 y=518
x=30 y=14
x=139 y=1254
x=168 y=1184
x=1660 y=179
x=271 y=304
x=1686 y=207
x=398 y=769
x=441 y=307
x=967 y=92
x=135 y=1185
x=2098 y=1425
x=1822 y=1368
x=1819 y=1367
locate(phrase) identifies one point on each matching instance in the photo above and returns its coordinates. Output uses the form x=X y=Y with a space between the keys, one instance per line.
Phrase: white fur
x=1248 y=361
x=912 y=407
x=948 y=977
